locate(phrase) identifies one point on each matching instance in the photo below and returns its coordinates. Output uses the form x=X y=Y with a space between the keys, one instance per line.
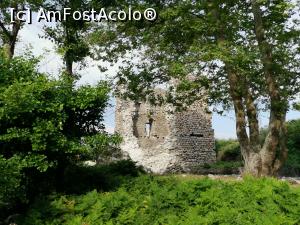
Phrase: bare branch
x=6 y=32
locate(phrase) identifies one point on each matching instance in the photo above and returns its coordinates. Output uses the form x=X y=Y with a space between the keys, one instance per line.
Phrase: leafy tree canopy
x=242 y=55
x=43 y=120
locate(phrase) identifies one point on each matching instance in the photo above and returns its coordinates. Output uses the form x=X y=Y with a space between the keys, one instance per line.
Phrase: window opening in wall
x=148 y=127
x=196 y=135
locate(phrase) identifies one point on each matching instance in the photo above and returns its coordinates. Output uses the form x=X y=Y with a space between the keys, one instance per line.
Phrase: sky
x=29 y=40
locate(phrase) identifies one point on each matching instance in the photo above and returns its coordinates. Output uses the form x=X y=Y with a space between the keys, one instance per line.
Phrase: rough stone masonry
x=165 y=141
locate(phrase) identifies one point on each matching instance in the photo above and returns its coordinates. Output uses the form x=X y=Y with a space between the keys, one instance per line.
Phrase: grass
x=174 y=200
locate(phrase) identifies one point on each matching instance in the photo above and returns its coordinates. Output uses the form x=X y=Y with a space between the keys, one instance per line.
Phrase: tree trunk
x=69 y=66
x=12 y=35
x=276 y=139
x=259 y=160
x=252 y=163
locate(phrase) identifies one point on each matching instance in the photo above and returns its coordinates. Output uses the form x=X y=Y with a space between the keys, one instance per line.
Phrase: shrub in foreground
x=161 y=200
x=82 y=179
x=43 y=123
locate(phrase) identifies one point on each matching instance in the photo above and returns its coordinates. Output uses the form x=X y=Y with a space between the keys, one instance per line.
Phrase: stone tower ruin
x=162 y=140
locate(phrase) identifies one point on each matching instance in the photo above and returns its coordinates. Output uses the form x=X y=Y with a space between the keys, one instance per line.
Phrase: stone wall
x=163 y=140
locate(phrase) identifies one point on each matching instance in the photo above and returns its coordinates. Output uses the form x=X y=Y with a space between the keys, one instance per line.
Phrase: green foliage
x=234 y=54
x=69 y=35
x=228 y=150
x=9 y=31
x=103 y=147
x=10 y=180
x=196 y=50
x=43 y=122
x=48 y=117
x=82 y=179
x=292 y=165
x=229 y=158
x=225 y=165
x=163 y=200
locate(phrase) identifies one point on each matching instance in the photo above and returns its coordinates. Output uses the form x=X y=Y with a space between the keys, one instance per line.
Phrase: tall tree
x=9 y=31
x=69 y=34
x=243 y=53
x=43 y=125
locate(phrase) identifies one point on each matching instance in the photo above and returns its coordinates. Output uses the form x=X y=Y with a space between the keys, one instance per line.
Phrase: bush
x=10 y=182
x=43 y=122
x=228 y=150
x=292 y=165
x=103 y=148
x=163 y=200
x=81 y=179
x=225 y=165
